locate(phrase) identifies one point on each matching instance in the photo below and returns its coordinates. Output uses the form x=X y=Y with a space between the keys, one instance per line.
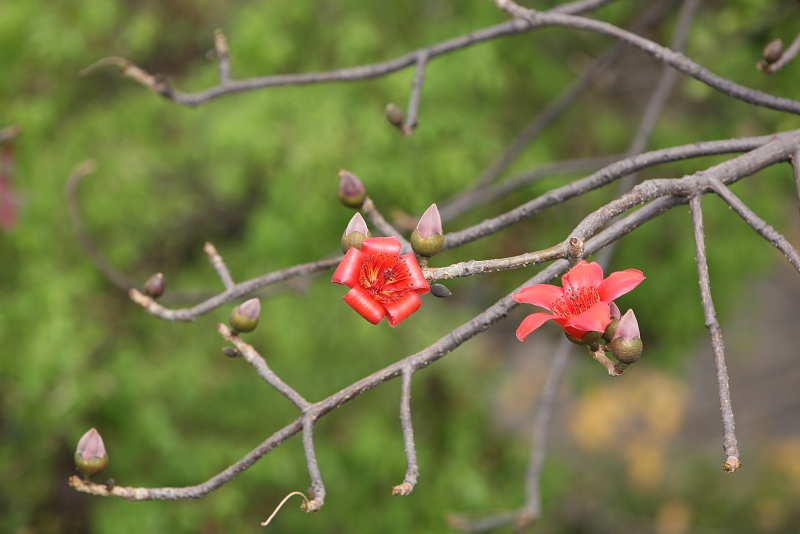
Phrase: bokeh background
x=255 y=174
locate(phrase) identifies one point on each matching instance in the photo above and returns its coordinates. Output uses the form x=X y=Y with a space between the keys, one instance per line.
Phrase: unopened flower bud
x=355 y=233
x=773 y=51
x=394 y=115
x=626 y=346
x=155 y=285
x=90 y=456
x=438 y=290
x=608 y=335
x=427 y=239
x=244 y=317
x=351 y=191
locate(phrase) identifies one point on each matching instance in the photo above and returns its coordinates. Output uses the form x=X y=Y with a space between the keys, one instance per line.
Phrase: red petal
x=378 y=245
x=417 y=281
x=349 y=269
x=581 y=276
x=400 y=309
x=543 y=295
x=364 y=304
x=595 y=319
x=618 y=284
x=531 y=323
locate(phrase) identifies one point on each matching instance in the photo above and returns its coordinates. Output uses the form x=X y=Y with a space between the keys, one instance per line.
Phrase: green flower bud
x=90 y=456
x=244 y=318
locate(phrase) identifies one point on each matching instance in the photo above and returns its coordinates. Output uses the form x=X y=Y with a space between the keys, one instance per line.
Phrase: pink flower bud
x=626 y=346
x=628 y=327
x=430 y=223
x=90 y=456
x=352 y=192
x=427 y=239
x=355 y=233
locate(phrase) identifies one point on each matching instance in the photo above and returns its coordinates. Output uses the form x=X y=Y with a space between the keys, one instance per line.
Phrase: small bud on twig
x=90 y=456
x=352 y=192
x=244 y=317
x=155 y=285
x=394 y=115
x=355 y=233
x=427 y=239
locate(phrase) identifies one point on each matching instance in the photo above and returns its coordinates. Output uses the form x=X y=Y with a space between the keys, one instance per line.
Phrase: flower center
x=385 y=277
x=575 y=302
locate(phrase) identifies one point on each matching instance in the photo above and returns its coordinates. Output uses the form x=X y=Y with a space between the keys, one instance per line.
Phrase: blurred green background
x=255 y=174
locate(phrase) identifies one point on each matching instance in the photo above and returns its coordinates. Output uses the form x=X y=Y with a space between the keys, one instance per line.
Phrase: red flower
x=382 y=283
x=582 y=305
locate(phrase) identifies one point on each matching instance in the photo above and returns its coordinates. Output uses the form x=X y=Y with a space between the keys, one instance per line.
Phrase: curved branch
x=663 y=54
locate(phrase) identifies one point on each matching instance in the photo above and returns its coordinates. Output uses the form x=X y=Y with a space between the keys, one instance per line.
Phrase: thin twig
x=600 y=178
x=566 y=98
x=473 y=267
x=416 y=91
x=729 y=442
x=223 y=56
x=239 y=290
x=760 y=226
x=219 y=265
x=788 y=55
x=412 y=467
x=256 y=360
x=467 y=200
x=317 y=489
x=660 y=53
x=278 y=508
x=364 y=72
x=796 y=170
x=117 y=278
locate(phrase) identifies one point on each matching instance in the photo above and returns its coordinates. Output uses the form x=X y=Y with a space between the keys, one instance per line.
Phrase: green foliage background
x=255 y=173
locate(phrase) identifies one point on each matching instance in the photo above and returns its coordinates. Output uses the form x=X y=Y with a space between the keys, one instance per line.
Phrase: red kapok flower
x=382 y=282
x=582 y=305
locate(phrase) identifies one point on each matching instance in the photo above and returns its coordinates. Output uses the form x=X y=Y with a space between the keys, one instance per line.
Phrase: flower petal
x=581 y=276
x=619 y=283
x=400 y=309
x=362 y=302
x=380 y=245
x=595 y=319
x=417 y=281
x=542 y=295
x=349 y=269
x=531 y=323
